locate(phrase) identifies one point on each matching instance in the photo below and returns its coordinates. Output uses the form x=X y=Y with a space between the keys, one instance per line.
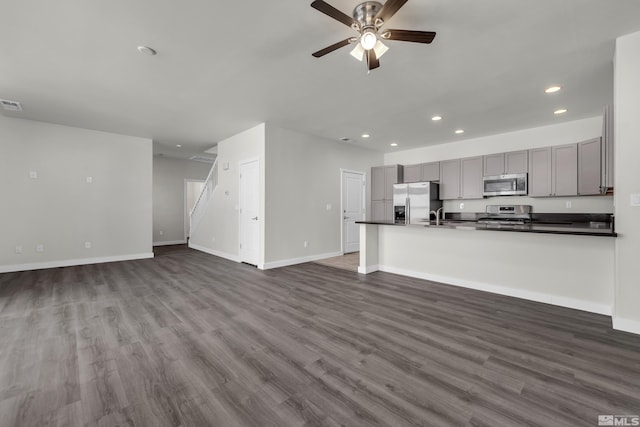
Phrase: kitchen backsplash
x=585 y=204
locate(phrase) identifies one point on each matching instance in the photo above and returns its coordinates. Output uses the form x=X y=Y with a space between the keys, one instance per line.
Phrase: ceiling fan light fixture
x=380 y=49
x=368 y=39
x=358 y=52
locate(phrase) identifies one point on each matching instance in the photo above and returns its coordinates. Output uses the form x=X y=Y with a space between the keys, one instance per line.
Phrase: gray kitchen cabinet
x=516 y=162
x=377 y=183
x=382 y=180
x=413 y=173
x=450 y=179
x=461 y=178
x=606 y=157
x=471 y=178
x=493 y=164
x=431 y=171
x=589 y=164
x=506 y=163
x=540 y=172
x=564 y=161
x=553 y=171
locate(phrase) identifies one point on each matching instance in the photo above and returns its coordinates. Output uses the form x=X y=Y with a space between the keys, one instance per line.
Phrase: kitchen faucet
x=437 y=215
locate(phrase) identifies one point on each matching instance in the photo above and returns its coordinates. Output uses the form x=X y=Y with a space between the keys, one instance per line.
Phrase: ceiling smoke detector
x=10 y=105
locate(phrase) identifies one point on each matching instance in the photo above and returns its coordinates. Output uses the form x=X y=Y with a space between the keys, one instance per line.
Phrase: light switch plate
x=33 y=174
x=635 y=199
x=328 y=206
x=40 y=248
x=89 y=179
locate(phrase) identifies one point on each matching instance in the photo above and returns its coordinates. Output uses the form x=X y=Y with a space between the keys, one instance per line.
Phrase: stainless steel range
x=506 y=215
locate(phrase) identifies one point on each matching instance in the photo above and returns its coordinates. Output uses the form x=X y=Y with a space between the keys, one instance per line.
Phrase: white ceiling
x=223 y=67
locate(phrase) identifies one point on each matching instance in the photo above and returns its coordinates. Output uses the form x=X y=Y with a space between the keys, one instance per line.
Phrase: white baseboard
x=72 y=262
x=230 y=257
x=170 y=242
x=626 y=325
x=368 y=269
x=503 y=290
x=293 y=261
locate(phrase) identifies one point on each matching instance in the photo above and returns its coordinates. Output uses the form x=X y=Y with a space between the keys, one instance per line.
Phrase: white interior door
x=352 y=209
x=249 y=199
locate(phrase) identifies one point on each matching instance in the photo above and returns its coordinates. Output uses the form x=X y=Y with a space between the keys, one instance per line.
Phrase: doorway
x=249 y=206
x=353 y=209
x=192 y=190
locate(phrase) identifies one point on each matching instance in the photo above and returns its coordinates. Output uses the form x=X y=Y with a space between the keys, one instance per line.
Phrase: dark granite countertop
x=572 y=224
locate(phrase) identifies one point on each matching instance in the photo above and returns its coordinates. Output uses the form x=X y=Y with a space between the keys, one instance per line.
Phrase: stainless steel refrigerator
x=413 y=202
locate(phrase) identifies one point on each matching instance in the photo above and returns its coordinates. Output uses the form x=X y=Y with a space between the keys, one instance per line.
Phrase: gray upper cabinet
x=450 y=179
x=461 y=178
x=471 y=178
x=494 y=164
x=540 y=172
x=589 y=173
x=516 y=162
x=606 y=158
x=382 y=180
x=431 y=171
x=413 y=173
x=506 y=163
x=377 y=183
x=422 y=172
x=564 y=161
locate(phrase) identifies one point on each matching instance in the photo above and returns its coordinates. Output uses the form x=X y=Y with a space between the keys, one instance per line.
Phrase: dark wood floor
x=187 y=339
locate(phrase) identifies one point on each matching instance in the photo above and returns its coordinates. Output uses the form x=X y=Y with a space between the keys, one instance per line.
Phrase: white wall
x=169 y=196
x=218 y=232
x=59 y=209
x=303 y=176
x=563 y=133
x=627 y=181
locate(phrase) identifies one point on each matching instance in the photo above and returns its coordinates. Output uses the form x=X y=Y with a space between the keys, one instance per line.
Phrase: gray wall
x=59 y=209
x=169 y=196
x=302 y=177
x=627 y=182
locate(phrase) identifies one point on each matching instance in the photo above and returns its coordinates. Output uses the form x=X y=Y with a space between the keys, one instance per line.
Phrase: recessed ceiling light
x=394 y=144
x=366 y=135
x=560 y=111
x=179 y=145
x=147 y=50
x=552 y=89
x=459 y=131
x=436 y=118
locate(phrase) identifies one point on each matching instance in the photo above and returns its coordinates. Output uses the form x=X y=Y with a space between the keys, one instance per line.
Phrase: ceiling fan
x=368 y=19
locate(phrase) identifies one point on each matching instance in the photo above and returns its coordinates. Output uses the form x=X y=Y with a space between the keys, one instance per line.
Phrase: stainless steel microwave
x=505 y=185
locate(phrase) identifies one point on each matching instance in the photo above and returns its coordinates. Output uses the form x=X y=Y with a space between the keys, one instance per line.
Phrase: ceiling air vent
x=10 y=105
x=202 y=159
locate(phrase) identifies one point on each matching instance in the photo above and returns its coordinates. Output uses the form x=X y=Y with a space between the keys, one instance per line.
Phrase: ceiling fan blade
x=372 y=60
x=389 y=9
x=329 y=49
x=409 y=36
x=331 y=11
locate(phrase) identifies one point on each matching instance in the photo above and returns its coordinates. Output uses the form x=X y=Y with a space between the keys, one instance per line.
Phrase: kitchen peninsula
x=569 y=264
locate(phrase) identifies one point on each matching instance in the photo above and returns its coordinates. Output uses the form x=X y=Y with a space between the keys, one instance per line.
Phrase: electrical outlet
x=161 y=232
x=40 y=247
x=328 y=206
x=568 y=204
x=461 y=206
x=87 y=245
x=305 y=244
x=19 y=249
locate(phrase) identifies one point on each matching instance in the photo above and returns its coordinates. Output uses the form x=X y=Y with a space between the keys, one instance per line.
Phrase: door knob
x=346 y=217
x=255 y=218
